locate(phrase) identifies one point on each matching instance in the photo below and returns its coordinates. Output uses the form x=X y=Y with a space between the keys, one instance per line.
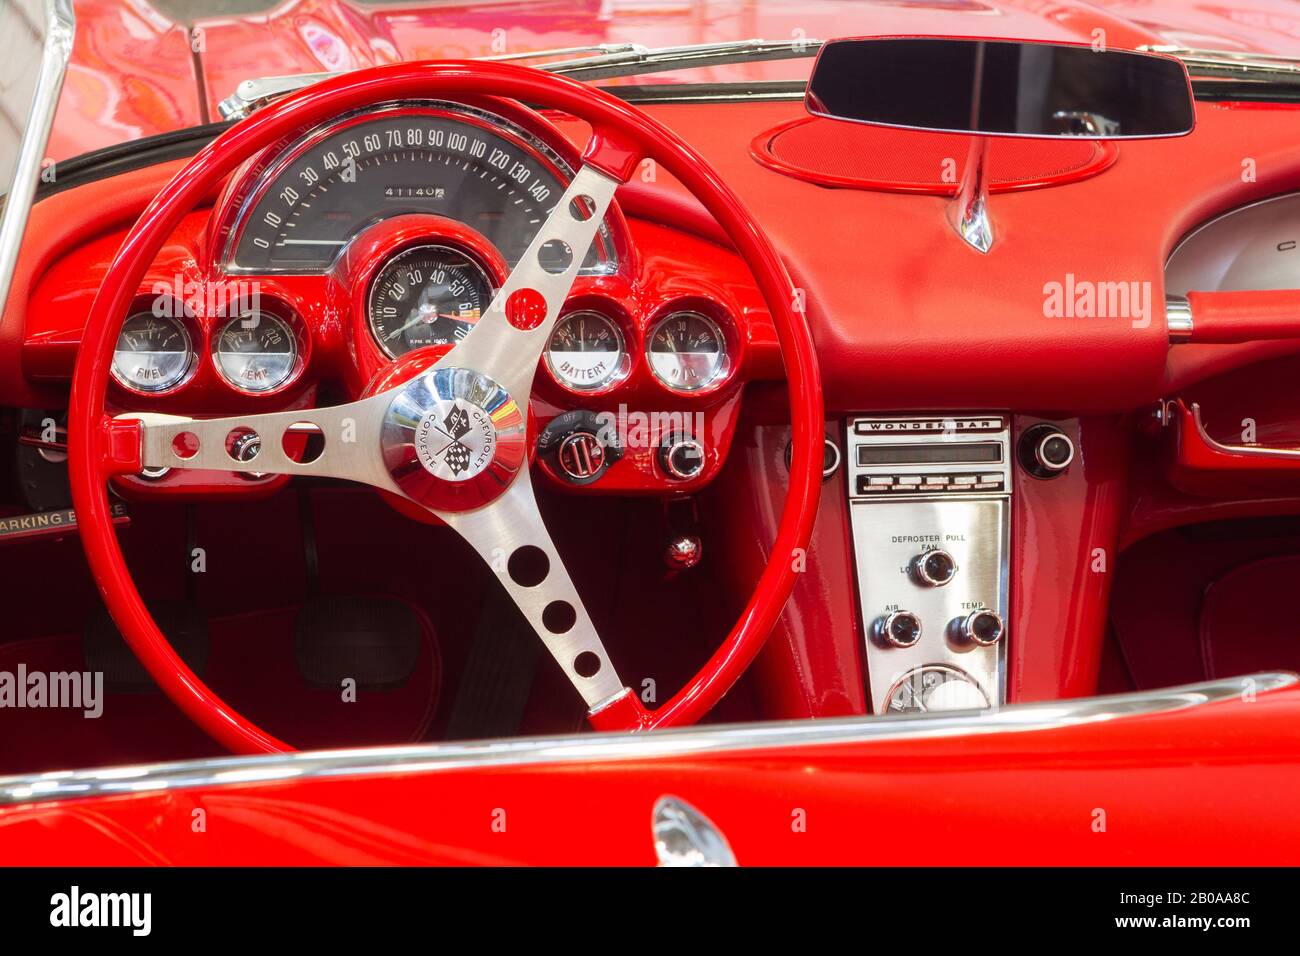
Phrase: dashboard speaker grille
x=855 y=156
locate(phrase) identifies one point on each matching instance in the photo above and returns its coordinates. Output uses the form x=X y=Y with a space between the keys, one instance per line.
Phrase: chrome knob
x=581 y=456
x=934 y=568
x=982 y=627
x=900 y=628
x=684 y=552
x=1045 y=451
x=682 y=458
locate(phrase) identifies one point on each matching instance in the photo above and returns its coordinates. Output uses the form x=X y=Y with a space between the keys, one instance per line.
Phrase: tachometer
x=427 y=295
x=153 y=353
x=452 y=161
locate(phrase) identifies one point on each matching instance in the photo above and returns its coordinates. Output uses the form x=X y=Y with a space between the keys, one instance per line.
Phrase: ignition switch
x=577 y=447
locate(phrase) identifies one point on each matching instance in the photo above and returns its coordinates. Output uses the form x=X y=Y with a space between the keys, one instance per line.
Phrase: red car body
x=1198 y=776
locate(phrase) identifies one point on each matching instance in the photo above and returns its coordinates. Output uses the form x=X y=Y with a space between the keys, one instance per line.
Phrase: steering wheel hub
x=453 y=438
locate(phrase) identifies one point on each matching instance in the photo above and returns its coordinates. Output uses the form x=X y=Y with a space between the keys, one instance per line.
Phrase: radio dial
x=934 y=568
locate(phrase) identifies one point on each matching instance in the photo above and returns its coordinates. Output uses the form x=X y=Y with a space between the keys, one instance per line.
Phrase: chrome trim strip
x=60 y=27
x=1254 y=451
x=584 y=748
x=1178 y=318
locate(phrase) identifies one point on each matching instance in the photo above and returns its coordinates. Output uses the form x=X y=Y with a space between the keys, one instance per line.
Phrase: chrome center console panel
x=930 y=510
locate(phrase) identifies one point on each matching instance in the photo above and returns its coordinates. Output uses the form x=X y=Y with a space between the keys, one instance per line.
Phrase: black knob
x=982 y=627
x=682 y=457
x=934 y=568
x=900 y=628
x=1045 y=451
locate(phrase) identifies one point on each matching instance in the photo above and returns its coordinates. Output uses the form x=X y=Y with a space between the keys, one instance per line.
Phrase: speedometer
x=467 y=165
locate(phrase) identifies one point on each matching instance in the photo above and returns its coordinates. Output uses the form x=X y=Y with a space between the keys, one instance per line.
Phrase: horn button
x=453 y=439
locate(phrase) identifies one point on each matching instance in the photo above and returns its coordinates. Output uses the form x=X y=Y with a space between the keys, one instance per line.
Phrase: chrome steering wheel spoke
x=338 y=442
x=511 y=537
x=508 y=340
x=451 y=439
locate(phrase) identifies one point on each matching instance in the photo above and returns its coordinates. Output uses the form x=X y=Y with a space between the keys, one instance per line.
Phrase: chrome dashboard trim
x=56 y=786
x=1178 y=318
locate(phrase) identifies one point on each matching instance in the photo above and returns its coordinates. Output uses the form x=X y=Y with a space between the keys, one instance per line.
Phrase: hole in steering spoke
x=582 y=208
x=526 y=309
x=559 y=617
x=586 y=664
x=555 y=256
x=185 y=445
x=528 y=566
x=303 y=442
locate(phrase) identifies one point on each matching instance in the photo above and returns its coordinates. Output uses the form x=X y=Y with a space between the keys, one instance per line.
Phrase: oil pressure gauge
x=153 y=353
x=687 y=351
x=256 y=352
x=586 y=351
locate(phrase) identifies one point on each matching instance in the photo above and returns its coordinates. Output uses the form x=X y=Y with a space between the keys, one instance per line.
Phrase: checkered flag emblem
x=457 y=423
x=456 y=457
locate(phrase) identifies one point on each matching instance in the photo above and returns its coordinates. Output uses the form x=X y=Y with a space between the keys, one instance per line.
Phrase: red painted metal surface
x=1033 y=797
x=830 y=153
x=622 y=124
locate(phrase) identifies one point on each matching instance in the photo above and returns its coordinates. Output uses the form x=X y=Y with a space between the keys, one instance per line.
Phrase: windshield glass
x=144 y=67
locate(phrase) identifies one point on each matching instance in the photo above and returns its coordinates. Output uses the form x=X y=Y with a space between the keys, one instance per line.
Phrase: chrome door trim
x=584 y=748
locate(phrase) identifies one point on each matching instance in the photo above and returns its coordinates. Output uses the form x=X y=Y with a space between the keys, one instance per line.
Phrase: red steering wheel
x=385 y=439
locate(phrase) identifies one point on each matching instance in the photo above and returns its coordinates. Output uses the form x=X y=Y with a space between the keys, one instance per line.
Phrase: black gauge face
x=256 y=352
x=152 y=354
x=416 y=162
x=428 y=295
x=586 y=351
x=687 y=351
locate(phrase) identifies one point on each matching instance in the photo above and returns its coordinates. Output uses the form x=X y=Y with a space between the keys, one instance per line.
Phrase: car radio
x=930 y=509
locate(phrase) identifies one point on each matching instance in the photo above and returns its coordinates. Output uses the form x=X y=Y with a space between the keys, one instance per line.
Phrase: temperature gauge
x=586 y=351
x=256 y=352
x=153 y=353
x=687 y=351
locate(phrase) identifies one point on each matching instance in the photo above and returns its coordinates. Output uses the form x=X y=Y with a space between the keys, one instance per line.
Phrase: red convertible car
x=623 y=432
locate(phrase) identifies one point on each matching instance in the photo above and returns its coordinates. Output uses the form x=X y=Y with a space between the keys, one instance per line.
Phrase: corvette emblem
x=455 y=440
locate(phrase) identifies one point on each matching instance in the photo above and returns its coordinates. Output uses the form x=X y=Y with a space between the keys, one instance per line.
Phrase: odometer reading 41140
x=473 y=168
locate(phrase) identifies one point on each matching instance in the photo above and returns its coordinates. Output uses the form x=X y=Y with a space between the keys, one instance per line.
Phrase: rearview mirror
x=1001 y=88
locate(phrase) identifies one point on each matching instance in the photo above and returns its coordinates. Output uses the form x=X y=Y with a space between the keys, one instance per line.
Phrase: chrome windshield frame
x=60 y=28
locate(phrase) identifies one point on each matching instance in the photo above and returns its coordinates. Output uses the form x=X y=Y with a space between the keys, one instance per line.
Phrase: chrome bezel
x=295 y=364
x=622 y=364
x=720 y=372
x=397 y=257
x=191 y=357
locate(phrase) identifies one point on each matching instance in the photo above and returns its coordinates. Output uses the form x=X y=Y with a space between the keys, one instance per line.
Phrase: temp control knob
x=982 y=627
x=934 y=568
x=900 y=628
x=682 y=457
